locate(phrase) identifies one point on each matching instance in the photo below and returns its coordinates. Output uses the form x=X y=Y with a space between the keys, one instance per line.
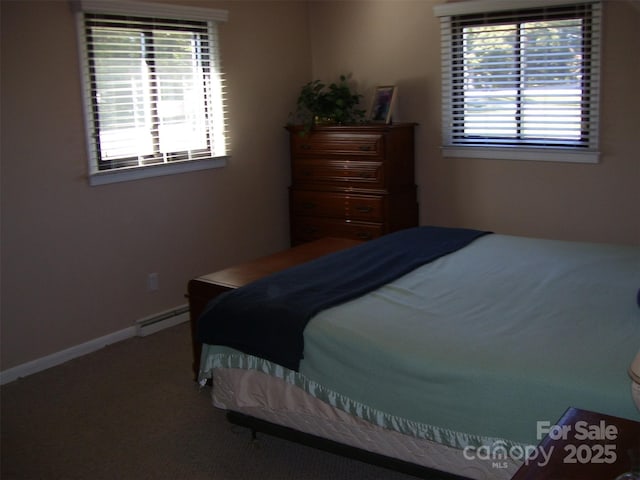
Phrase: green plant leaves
x=335 y=103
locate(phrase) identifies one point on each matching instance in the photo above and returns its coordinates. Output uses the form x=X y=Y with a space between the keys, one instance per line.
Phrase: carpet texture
x=132 y=411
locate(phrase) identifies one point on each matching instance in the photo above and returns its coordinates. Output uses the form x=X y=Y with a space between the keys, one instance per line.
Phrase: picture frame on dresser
x=382 y=105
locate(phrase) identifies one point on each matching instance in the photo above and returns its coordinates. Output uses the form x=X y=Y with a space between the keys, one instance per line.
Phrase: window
x=523 y=83
x=153 y=89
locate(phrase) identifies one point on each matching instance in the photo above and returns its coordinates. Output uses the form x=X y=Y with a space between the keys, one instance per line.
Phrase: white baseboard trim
x=76 y=351
x=63 y=356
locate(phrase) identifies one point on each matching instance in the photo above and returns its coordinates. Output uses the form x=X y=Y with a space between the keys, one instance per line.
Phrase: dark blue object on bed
x=267 y=318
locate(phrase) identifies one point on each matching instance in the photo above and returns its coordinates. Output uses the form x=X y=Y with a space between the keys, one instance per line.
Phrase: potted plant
x=335 y=104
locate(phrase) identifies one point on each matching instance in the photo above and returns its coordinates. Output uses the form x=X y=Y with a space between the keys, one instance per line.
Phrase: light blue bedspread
x=480 y=344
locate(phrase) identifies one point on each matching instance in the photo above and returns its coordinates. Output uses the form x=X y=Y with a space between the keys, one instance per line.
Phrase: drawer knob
x=366 y=148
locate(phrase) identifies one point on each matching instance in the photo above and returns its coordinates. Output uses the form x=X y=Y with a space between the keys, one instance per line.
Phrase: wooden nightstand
x=202 y=289
x=584 y=445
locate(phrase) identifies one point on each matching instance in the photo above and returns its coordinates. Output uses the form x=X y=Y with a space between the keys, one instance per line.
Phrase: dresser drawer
x=327 y=144
x=305 y=229
x=337 y=172
x=338 y=205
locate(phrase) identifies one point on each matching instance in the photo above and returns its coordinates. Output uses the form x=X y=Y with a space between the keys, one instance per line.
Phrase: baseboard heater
x=160 y=321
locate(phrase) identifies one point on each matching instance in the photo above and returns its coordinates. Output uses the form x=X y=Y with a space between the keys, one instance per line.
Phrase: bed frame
x=258 y=425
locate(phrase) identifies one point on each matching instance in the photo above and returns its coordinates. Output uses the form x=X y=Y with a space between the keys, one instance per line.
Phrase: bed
x=437 y=348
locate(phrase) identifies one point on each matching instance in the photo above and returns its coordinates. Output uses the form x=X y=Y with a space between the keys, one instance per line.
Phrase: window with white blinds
x=153 y=89
x=521 y=83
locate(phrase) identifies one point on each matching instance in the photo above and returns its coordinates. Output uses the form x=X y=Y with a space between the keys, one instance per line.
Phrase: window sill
x=518 y=153
x=137 y=173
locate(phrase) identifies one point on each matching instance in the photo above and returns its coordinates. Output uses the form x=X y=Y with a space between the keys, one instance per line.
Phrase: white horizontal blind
x=153 y=90
x=527 y=78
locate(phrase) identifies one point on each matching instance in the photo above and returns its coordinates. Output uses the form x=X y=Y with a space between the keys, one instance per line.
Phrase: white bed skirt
x=268 y=398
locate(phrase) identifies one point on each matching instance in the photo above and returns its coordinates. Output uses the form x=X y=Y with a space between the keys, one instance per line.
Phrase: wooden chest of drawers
x=352 y=181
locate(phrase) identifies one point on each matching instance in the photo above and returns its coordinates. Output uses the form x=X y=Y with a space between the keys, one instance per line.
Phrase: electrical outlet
x=153 y=282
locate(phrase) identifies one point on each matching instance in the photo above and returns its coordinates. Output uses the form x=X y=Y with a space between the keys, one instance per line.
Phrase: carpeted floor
x=132 y=411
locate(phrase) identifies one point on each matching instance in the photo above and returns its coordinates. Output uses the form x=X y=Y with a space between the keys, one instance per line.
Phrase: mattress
x=472 y=350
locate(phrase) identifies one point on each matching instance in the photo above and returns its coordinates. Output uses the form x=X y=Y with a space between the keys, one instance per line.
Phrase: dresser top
x=362 y=127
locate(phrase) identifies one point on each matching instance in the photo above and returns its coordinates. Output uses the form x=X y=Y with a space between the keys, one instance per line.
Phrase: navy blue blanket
x=267 y=318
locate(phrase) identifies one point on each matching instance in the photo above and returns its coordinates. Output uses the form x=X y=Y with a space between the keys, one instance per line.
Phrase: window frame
x=99 y=173
x=456 y=13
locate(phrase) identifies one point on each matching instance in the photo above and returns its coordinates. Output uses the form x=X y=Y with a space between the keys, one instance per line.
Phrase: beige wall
x=75 y=258
x=397 y=42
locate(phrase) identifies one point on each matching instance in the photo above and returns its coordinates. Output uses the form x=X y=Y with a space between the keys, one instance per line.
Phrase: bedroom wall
x=75 y=258
x=397 y=42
